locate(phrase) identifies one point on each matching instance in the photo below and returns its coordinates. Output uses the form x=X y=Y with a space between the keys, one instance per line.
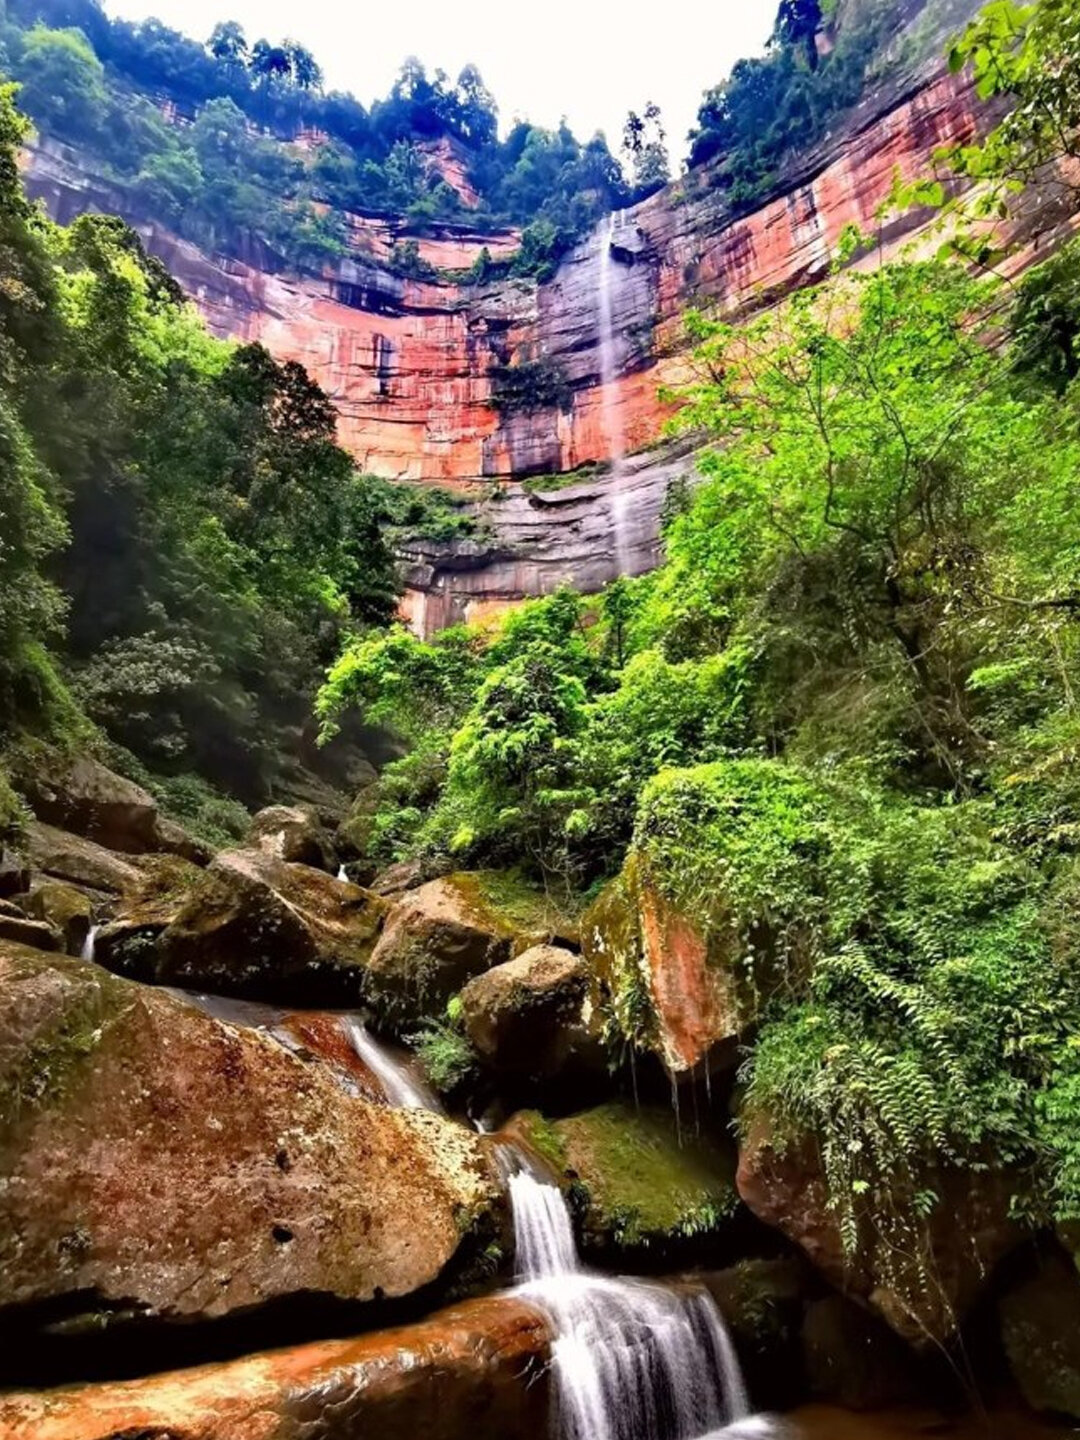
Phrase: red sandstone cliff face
x=408 y=362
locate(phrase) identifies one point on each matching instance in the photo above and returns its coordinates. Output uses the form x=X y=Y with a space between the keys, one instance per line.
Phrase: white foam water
x=631 y=1360
x=342 y=873
x=89 y=945
x=398 y=1085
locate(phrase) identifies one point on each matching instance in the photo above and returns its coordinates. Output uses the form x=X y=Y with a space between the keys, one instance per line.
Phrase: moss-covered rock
x=258 y=927
x=294 y=834
x=67 y=909
x=441 y=935
x=734 y=866
x=635 y=1184
x=526 y=1018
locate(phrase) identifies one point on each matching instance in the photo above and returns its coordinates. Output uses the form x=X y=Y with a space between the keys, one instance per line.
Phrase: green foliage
x=448 y=1059
x=62 y=82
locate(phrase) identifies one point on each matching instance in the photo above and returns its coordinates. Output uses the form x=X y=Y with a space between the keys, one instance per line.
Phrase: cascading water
x=612 y=417
x=632 y=1360
x=398 y=1085
x=342 y=873
x=89 y=945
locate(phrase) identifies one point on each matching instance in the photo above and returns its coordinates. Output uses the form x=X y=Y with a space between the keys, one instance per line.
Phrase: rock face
x=476 y=1370
x=157 y=1161
x=637 y=1185
x=638 y=944
x=95 y=802
x=923 y=1288
x=257 y=926
x=68 y=910
x=414 y=366
x=63 y=856
x=1040 y=1330
x=526 y=1017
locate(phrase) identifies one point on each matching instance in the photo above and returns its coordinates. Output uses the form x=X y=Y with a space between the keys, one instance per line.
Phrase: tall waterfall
x=632 y=1360
x=612 y=416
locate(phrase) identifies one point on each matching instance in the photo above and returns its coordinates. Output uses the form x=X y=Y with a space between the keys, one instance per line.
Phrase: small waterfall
x=342 y=873
x=632 y=1360
x=399 y=1086
x=89 y=945
x=612 y=416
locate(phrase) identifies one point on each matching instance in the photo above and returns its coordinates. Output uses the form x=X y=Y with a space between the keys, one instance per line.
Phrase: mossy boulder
x=527 y=1017
x=156 y=1160
x=636 y=1183
x=722 y=899
x=93 y=801
x=441 y=935
x=258 y=927
x=17 y=926
x=68 y=910
x=60 y=855
x=294 y=834
x=1040 y=1332
x=127 y=943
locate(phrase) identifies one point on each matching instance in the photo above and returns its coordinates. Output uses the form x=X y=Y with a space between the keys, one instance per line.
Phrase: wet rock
x=477 y=1370
x=100 y=805
x=67 y=909
x=853 y=1359
x=526 y=1017
x=64 y=856
x=257 y=926
x=699 y=1005
x=636 y=1183
x=127 y=944
x=25 y=931
x=1040 y=1331
x=293 y=834
x=158 y=1161
x=762 y=1302
x=924 y=1287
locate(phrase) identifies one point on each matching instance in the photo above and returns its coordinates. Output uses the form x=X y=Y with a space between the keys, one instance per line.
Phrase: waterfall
x=612 y=416
x=342 y=873
x=632 y=1360
x=89 y=945
x=398 y=1085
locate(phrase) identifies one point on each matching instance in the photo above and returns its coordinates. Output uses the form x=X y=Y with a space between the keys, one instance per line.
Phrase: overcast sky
x=590 y=60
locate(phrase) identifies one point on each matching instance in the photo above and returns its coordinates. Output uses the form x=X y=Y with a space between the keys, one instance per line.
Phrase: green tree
x=63 y=83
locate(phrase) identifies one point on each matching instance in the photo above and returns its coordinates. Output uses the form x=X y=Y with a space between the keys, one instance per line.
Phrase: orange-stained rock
x=642 y=949
x=409 y=362
x=157 y=1161
x=477 y=1370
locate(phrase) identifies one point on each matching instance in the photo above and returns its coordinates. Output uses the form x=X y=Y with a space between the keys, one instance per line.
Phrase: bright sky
x=590 y=60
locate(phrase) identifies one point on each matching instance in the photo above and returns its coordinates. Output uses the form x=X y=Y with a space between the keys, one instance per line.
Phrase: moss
x=635 y=1181
x=43 y=1069
x=507 y=900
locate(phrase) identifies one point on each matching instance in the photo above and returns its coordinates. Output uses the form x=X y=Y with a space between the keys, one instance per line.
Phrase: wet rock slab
x=477 y=1370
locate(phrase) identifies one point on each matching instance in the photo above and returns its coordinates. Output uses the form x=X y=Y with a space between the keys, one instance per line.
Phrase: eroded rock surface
x=155 y=1160
x=475 y=1370
x=527 y=1017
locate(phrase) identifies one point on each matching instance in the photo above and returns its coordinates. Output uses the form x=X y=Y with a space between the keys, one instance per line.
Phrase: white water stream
x=612 y=415
x=631 y=1360
x=89 y=945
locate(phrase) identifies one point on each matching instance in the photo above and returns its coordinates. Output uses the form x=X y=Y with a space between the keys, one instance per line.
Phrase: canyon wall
x=415 y=365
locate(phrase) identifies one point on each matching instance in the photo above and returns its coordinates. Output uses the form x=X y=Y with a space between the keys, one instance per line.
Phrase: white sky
x=590 y=60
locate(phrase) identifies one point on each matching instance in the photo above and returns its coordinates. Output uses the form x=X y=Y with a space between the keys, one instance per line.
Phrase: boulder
x=353 y=835
x=396 y=879
x=1040 y=1332
x=260 y=927
x=668 y=989
x=436 y=939
x=762 y=1302
x=851 y=1358
x=95 y=802
x=479 y=1369
x=293 y=834
x=25 y=931
x=63 y=856
x=526 y=1016
x=924 y=1287
x=66 y=909
x=636 y=1182
x=172 y=839
x=156 y=1161
x=128 y=943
